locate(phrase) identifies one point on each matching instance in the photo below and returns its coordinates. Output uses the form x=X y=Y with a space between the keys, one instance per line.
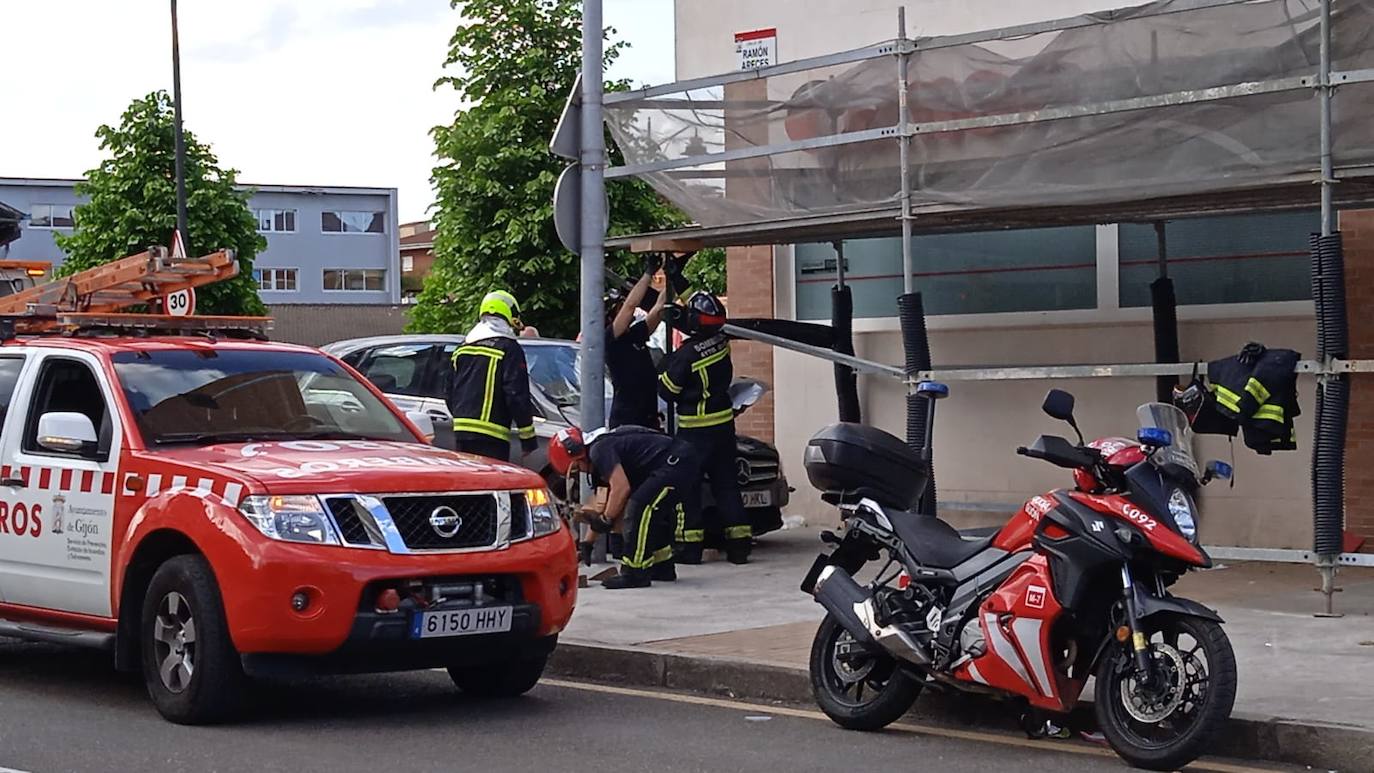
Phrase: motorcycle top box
x=851 y=461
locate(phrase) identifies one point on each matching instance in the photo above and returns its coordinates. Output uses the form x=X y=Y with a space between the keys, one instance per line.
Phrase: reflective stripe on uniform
x=1257 y=390
x=739 y=532
x=482 y=428
x=525 y=433
x=1270 y=413
x=667 y=382
x=479 y=351
x=640 y=560
x=660 y=556
x=706 y=420
x=692 y=535
x=1226 y=398
x=490 y=396
x=706 y=362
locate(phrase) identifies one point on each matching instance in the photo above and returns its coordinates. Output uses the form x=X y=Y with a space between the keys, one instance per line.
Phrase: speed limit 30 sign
x=181 y=303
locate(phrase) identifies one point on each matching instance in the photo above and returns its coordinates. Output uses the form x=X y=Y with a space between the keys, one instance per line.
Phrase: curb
x=1247 y=737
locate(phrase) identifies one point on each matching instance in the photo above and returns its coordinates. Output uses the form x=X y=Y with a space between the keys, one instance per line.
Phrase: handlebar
x=1062 y=453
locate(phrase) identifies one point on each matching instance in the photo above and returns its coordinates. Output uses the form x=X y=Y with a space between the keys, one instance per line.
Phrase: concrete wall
x=308 y=249
x=978 y=474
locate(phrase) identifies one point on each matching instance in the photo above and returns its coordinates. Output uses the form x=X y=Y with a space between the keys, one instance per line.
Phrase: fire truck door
x=56 y=494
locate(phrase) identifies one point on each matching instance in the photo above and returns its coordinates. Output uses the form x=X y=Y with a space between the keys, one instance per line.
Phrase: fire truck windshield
x=202 y=396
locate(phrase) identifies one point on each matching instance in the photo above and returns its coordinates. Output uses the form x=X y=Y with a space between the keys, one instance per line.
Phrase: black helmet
x=705 y=314
x=612 y=300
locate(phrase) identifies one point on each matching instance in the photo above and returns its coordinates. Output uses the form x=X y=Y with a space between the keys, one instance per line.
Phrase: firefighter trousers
x=653 y=511
x=718 y=452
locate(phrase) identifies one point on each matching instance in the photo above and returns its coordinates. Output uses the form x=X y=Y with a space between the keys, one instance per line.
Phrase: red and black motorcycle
x=1076 y=584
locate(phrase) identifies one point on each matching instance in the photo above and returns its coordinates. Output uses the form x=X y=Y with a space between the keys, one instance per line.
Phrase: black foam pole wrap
x=1165 y=306
x=916 y=348
x=846 y=380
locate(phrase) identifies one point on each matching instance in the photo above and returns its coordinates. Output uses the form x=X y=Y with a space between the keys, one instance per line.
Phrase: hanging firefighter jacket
x=1258 y=389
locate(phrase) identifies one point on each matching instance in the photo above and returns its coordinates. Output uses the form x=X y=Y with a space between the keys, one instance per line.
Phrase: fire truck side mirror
x=67 y=433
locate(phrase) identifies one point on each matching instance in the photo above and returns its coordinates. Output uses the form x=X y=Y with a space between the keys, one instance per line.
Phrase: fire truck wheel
x=193 y=674
x=506 y=680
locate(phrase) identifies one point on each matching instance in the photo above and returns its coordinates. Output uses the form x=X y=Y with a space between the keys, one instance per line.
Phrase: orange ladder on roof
x=137 y=279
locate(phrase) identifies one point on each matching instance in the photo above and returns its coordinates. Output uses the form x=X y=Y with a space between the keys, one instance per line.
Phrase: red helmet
x=566 y=446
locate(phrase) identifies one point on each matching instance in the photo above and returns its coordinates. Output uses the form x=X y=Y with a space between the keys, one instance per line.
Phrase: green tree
x=515 y=61
x=132 y=204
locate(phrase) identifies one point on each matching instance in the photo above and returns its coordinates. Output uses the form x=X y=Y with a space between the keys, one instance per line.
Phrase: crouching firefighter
x=489 y=389
x=695 y=380
x=648 y=474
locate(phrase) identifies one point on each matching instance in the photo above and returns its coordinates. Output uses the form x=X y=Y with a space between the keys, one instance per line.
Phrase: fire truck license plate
x=460 y=622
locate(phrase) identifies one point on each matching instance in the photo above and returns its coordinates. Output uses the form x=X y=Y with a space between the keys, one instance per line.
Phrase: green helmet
x=502 y=304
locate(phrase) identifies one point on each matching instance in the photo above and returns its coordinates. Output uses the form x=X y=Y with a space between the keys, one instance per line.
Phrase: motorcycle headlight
x=544 y=518
x=1182 y=509
x=290 y=519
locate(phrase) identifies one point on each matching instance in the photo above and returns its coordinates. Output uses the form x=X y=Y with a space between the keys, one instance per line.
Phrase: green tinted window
x=1237 y=259
x=1043 y=269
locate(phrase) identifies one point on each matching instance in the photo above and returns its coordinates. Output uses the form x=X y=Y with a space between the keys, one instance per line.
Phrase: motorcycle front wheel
x=1168 y=721
x=858 y=689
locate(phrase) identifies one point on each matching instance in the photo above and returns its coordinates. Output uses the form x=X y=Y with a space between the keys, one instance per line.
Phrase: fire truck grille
x=356 y=526
x=444 y=522
x=519 y=517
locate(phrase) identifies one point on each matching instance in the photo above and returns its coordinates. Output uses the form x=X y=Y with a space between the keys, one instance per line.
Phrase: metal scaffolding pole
x=593 y=226
x=904 y=152
x=1326 y=562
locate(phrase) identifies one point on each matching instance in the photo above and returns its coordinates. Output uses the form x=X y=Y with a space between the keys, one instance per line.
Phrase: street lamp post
x=180 y=139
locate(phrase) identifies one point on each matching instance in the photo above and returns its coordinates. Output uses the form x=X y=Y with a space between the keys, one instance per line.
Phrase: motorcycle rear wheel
x=1169 y=726
x=858 y=689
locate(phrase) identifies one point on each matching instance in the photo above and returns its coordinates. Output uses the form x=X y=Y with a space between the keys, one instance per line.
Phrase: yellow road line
x=905 y=727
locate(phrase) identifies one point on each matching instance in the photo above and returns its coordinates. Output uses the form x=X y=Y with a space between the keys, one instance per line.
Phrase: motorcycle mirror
x=1059 y=405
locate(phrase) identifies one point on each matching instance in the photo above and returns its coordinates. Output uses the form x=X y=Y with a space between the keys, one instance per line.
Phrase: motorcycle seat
x=933 y=542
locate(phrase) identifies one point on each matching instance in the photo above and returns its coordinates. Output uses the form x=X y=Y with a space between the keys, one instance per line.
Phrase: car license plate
x=461 y=622
x=758 y=498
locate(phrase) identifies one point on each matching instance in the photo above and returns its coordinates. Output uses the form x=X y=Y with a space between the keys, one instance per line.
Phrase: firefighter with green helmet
x=489 y=389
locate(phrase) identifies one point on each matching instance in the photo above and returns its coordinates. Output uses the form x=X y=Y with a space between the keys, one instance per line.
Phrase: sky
x=288 y=92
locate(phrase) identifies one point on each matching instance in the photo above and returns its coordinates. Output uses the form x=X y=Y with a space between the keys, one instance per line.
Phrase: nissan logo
x=445 y=521
x=742 y=471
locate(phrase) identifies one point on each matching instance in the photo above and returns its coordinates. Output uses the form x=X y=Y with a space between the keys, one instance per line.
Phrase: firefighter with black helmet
x=695 y=380
x=628 y=360
x=489 y=389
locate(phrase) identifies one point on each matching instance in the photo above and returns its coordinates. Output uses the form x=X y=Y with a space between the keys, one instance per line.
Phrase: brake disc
x=851 y=660
x=1152 y=706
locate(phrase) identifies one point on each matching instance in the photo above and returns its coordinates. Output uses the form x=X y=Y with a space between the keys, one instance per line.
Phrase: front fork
x=1140 y=645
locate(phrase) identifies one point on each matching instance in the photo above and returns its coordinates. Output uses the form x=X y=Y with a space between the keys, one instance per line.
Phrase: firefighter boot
x=737 y=551
x=687 y=553
x=663 y=571
x=628 y=578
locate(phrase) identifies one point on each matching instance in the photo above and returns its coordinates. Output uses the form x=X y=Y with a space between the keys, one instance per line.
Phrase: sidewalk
x=1309 y=676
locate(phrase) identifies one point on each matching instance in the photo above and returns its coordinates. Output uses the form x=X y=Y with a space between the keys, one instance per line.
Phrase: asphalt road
x=65 y=710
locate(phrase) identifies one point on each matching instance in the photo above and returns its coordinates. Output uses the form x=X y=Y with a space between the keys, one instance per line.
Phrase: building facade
x=1075 y=295
x=325 y=245
x=417 y=257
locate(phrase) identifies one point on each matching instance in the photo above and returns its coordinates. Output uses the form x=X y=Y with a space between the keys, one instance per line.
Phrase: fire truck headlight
x=290 y=519
x=543 y=516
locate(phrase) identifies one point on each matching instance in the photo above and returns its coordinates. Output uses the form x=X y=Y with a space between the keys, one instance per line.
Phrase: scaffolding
x=1175 y=109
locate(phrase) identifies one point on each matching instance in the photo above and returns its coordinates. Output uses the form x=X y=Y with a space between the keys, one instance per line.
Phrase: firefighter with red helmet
x=648 y=474
x=695 y=380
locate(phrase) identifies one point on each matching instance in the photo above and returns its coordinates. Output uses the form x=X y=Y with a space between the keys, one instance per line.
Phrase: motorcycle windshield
x=1179 y=455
